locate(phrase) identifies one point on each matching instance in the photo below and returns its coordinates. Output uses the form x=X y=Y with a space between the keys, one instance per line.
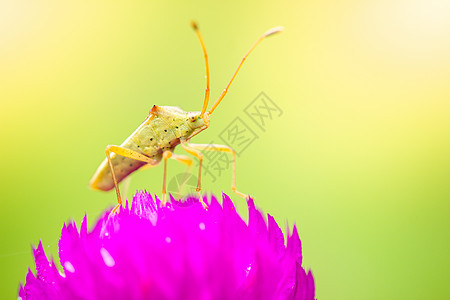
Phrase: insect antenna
x=262 y=37
x=207 y=91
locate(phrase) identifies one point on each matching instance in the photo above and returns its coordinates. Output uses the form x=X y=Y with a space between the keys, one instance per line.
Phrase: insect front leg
x=184 y=159
x=220 y=148
x=126 y=153
x=192 y=150
x=180 y=158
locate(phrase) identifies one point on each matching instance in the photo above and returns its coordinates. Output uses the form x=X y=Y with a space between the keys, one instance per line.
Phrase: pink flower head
x=180 y=251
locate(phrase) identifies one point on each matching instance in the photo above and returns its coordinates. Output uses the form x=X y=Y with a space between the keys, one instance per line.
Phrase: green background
x=359 y=158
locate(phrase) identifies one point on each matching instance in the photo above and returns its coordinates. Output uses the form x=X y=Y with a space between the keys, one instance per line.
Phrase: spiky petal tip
x=180 y=251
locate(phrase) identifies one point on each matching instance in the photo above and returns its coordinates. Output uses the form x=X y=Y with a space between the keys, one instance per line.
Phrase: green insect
x=165 y=128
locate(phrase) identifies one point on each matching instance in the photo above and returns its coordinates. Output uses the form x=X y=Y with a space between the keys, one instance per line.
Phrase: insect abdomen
x=123 y=166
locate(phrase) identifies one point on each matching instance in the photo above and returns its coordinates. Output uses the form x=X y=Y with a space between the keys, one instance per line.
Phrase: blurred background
x=355 y=149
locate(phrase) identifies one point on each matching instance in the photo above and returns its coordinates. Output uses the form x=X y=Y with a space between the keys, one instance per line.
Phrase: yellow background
x=359 y=159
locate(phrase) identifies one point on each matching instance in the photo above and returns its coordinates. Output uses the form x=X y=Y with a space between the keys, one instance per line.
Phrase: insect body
x=155 y=139
x=161 y=131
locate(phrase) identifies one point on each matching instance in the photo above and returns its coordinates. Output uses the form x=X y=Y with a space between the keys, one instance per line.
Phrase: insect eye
x=193 y=118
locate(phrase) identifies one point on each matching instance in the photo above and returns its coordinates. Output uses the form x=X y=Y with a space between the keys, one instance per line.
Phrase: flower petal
x=177 y=251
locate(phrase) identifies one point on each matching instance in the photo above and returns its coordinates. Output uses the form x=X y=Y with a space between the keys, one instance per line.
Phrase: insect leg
x=148 y=166
x=186 y=160
x=126 y=153
x=182 y=159
x=191 y=150
x=166 y=155
x=221 y=148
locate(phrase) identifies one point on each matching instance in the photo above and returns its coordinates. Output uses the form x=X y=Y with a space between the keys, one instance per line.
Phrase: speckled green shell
x=161 y=131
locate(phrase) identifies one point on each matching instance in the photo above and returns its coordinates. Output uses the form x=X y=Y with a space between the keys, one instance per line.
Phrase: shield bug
x=164 y=128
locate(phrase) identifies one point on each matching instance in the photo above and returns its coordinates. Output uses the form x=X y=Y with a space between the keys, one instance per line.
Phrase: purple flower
x=180 y=251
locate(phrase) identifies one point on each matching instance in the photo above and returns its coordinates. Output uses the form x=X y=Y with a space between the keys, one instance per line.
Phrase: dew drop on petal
x=247 y=271
x=168 y=240
x=107 y=258
x=202 y=226
x=69 y=267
